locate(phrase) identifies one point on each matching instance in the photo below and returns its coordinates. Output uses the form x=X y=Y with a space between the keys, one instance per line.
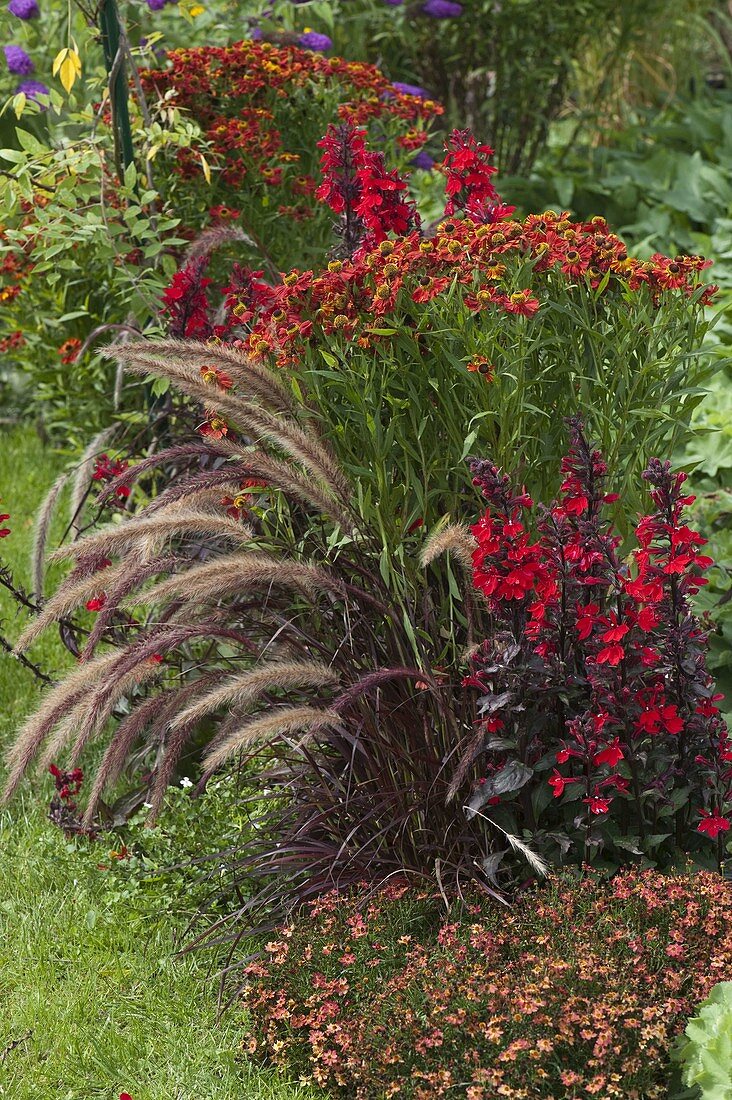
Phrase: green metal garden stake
x=114 y=62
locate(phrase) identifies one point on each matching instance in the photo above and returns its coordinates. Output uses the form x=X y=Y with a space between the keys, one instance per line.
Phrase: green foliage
x=663 y=180
x=706 y=1053
x=507 y=70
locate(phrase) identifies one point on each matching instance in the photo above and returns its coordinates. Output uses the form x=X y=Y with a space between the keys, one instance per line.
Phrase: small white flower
x=147 y=805
x=186 y=782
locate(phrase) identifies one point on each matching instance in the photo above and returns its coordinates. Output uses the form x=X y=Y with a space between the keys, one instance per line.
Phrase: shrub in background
x=87 y=255
x=578 y=990
x=509 y=70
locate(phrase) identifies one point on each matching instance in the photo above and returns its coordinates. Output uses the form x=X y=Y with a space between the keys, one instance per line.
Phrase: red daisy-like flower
x=713 y=823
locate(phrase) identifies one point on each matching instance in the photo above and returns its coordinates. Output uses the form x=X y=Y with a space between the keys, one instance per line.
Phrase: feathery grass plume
x=132 y=574
x=254 y=420
x=214 y=237
x=91 y=713
x=40 y=536
x=174 y=742
x=305 y=447
x=54 y=707
x=147 y=534
x=149 y=649
x=188 y=380
x=187 y=486
x=115 y=756
x=278 y=473
x=372 y=681
x=84 y=471
x=475 y=741
x=249 y=686
x=280 y=723
x=236 y=573
x=533 y=859
x=70 y=595
x=455 y=539
x=253 y=377
x=154 y=714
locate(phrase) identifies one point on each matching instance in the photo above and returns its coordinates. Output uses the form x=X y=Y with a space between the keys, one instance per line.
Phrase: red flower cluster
x=241 y=95
x=185 y=304
x=598 y=667
x=357 y=185
x=68 y=784
x=468 y=170
x=4 y=531
x=107 y=469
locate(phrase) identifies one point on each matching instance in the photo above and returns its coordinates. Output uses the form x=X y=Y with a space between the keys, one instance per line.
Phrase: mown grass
x=94 y=999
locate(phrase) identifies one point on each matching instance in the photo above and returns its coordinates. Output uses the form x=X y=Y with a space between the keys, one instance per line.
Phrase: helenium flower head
x=33 y=89
x=442 y=9
x=18 y=61
x=311 y=40
x=24 y=9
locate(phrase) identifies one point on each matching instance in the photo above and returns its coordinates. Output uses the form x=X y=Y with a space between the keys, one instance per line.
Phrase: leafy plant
x=706 y=1047
x=511 y=324
x=270 y=633
x=214 y=131
x=595 y=664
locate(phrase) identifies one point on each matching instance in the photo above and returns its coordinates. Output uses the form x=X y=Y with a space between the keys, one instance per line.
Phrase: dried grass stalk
x=248 y=687
x=454 y=539
x=84 y=471
x=147 y=534
x=65 y=600
x=40 y=537
x=59 y=701
x=237 y=573
x=280 y=723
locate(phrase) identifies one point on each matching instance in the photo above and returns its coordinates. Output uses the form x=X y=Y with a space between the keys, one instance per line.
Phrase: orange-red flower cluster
x=480 y=266
x=242 y=96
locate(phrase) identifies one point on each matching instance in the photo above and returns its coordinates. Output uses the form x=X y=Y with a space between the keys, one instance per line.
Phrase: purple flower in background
x=18 y=61
x=410 y=89
x=394 y=3
x=24 y=9
x=423 y=160
x=156 y=5
x=33 y=89
x=256 y=34
x=442 y=9
x=311 y=40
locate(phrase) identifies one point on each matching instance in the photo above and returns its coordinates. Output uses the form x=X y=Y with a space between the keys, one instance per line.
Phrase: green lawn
x=93 y=998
